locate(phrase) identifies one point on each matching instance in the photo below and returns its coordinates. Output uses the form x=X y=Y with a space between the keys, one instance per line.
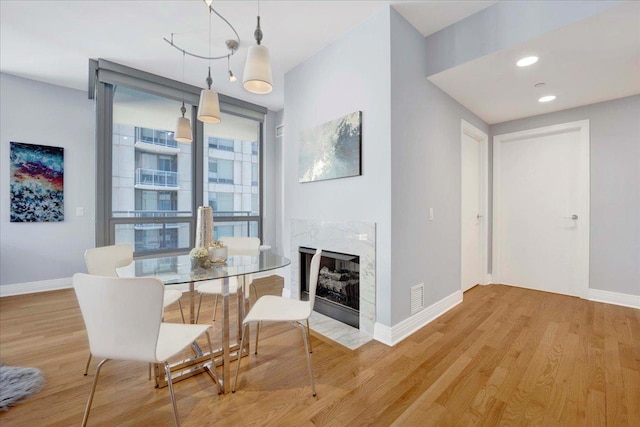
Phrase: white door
x=473 y=205
x=541 y=208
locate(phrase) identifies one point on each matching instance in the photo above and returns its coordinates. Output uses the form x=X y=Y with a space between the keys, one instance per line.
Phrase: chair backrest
x=314 y=270
x=103 y=261
x=122 y=315
x=241 y=245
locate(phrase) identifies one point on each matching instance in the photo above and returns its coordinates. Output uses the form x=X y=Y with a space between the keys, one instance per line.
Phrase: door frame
x=583 y=208
x=471 y=131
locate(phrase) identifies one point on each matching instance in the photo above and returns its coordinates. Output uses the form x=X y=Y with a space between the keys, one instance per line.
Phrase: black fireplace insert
x=338 y=288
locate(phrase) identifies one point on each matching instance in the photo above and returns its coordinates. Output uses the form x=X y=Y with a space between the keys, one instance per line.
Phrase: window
x=149 y=185
x=221 y=171
x=220 y=143
x=221 y=203
x=240 y=167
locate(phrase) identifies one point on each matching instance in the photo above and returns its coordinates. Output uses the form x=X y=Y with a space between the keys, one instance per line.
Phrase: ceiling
x=51 y=41
x=593 y=60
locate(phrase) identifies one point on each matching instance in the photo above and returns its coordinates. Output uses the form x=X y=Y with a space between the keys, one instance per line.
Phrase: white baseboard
x=393 y=335
x=33 y=287
x=615 y=298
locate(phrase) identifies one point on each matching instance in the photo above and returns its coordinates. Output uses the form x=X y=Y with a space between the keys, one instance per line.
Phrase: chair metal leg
x=181 y=312
x=199 y=304
x=93 y=390
x=213 y=364
x=257 y=335
x=149 y=371
x=244 y=334
x=86 y=369
x=215 y=308
x=306 y=348
x=167 y=368
x=309 y=337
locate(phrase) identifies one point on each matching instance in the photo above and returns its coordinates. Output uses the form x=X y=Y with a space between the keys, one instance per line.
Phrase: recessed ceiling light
x=547 y=98
x=524 y=62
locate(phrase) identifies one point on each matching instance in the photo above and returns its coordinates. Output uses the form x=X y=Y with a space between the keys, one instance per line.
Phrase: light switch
x=430 y=214
x=362 y=236
x=79 y=211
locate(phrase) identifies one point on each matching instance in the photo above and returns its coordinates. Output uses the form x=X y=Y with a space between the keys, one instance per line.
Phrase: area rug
x=17 y=384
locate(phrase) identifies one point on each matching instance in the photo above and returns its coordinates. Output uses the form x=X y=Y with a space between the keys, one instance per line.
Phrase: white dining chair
x=121 y=328
x=272 y=308
x=105 y=260
x=236 y=246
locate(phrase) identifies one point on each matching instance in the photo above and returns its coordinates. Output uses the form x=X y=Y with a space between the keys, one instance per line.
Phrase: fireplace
x=338 y=288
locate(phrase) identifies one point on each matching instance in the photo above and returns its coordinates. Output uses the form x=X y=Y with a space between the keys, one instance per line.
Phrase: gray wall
x=425 y=165
x=614 y=263
x=350 y=75
x=39 y=113
x=66 y=118
x=504 y=24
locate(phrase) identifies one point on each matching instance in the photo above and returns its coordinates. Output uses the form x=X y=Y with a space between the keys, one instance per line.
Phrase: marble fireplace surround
x=350 y=237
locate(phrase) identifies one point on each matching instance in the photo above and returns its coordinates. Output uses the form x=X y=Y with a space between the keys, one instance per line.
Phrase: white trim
x=582 y=126
x=33 y=287
x=468 y=129
x=394 y=334
x=616 y=298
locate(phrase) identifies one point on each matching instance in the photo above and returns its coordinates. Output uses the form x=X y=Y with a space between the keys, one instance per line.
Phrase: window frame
x=104 y=77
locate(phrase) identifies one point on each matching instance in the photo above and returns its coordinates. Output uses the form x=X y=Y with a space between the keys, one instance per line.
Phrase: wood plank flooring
x=505 y=356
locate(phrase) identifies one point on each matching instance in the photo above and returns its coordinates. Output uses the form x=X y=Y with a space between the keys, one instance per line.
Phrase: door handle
x=573 y=217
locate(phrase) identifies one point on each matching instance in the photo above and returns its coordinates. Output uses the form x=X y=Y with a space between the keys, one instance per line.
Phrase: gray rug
x=17 y=384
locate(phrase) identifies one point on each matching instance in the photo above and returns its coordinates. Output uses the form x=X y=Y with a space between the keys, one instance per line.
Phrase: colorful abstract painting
x=37 y=173
x=331 y=150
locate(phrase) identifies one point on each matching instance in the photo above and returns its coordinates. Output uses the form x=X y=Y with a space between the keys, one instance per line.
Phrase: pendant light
x=183 y=125
x=257 y=70
x=209 y=106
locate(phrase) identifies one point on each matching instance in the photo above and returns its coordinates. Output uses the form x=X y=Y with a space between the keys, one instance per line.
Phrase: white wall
x=350 y=75
x=39 y=113
x=614 y=261
x=425 y=164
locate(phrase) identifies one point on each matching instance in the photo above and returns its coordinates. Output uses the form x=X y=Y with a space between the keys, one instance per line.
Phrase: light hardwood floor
x=505 y=356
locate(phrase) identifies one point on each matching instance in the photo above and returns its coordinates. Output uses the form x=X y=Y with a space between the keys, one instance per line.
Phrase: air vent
x=279 y=131
x=417 y=298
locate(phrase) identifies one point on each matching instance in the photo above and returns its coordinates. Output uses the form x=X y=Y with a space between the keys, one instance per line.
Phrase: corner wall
x=350 y=75
x=40 y=113
x=425 y=172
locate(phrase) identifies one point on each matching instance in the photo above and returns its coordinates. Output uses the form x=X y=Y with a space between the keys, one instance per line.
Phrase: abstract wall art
x=36 y=178
x=331 y=150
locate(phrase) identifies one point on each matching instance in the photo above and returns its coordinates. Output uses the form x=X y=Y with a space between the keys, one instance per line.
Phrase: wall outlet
x=79 y=211
x=362 y=237
x=430 y=214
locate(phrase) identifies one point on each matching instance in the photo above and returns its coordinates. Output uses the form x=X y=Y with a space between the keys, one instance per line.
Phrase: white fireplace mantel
x=352 y=237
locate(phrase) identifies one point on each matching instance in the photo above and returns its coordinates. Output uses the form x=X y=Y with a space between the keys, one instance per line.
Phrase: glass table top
x=178 y=269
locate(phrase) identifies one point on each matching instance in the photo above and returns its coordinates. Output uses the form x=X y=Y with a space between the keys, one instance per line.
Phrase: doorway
x=541 y=208
x=473 y=206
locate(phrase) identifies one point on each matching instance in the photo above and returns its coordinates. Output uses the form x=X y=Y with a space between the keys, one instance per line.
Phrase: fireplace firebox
x=338 y=288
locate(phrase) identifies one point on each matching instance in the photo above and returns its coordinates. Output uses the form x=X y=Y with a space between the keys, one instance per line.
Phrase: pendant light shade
x=183 y=130
x=257 y=71
x=209 y=107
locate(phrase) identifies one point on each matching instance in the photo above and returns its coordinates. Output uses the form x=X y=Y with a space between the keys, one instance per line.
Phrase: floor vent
x=417 y=298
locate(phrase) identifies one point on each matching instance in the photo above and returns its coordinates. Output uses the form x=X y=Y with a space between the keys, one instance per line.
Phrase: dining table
x=181 y=270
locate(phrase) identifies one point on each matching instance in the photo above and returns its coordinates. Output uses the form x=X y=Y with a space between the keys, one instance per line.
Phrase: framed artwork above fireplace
x=331 y=150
